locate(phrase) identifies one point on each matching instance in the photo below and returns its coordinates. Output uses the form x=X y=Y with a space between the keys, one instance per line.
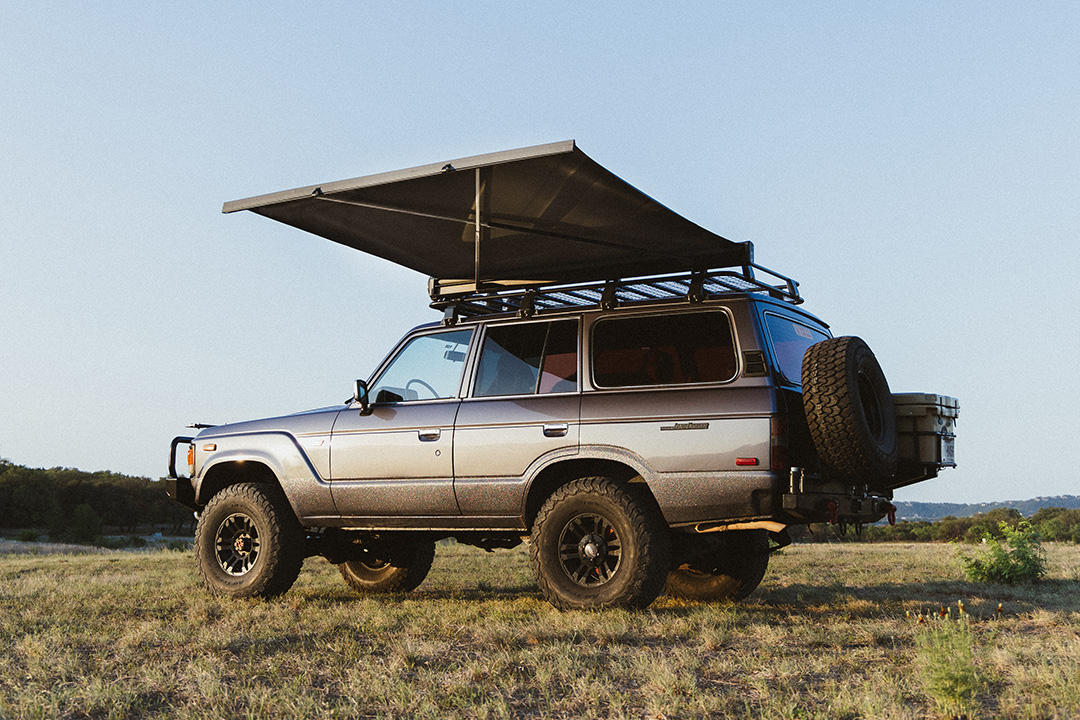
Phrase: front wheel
x=248 y=542
x=725 y=566
x=596 y=543
x=400 y=567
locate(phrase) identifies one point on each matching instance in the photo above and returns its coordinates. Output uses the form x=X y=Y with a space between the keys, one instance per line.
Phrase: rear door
x=522 y=410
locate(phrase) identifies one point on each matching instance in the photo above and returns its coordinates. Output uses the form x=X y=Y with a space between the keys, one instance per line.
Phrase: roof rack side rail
x=465 y=298
x=790 y=286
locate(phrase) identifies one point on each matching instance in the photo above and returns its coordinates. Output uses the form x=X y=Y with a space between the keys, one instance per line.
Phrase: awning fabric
x=547 y=213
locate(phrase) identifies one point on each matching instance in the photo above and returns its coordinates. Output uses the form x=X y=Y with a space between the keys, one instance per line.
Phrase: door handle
x=556 y=429
x=429 y=434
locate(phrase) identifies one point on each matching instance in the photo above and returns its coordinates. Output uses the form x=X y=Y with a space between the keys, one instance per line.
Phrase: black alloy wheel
x=248 y=542
x=398 y=566
x=599 y=543
x=236 y=544
x=590 y=550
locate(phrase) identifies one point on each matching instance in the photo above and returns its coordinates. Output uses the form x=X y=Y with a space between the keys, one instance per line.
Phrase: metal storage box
x=926 y=428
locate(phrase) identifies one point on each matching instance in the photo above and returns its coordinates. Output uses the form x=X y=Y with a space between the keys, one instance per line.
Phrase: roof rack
x=464 y=299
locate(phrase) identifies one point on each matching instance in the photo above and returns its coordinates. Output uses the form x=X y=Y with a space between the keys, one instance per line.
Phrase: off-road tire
x=248 y=542
x=597 y=543
x=849 y=410
x=721 y=566
x=403 y=569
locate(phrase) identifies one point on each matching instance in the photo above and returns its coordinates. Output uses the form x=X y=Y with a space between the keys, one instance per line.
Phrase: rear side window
x=663 y=350
x=790 y=341
x=529 y=359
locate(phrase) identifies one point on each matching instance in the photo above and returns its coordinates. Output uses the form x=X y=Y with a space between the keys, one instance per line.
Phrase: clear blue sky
x=915 y=165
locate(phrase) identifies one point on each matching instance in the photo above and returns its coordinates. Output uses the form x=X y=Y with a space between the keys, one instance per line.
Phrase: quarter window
x=663 y=350
x=790 y=341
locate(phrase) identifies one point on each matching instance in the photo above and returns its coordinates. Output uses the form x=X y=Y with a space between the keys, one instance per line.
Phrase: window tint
x=427 y=368
x=790 y=341
x=663 y=350
x=528 y=359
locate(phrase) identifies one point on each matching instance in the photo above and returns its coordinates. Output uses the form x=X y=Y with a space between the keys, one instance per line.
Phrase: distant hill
x=935 y=511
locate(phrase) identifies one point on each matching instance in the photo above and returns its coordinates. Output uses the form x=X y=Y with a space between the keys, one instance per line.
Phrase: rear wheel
x=400 y=567
x=248 y=542
x=596 y=543
x=726 y=566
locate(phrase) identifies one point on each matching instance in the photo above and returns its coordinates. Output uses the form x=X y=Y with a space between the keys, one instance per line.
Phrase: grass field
x=835 y=631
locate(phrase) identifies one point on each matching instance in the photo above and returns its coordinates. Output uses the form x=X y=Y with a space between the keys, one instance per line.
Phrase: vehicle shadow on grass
x=479 y=592
x=855 y=601
x=869 y=601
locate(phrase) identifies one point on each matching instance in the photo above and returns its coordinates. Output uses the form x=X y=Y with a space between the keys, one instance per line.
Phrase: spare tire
x=849 y=410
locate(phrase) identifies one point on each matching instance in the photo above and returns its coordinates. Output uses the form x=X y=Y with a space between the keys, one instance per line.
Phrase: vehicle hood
x=305 y=422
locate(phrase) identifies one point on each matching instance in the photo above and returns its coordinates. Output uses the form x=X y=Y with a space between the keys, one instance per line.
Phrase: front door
x=398 y=461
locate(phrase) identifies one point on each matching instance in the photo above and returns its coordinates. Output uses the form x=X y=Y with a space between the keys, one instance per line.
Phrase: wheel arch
x=561 y=473
x=233 y=472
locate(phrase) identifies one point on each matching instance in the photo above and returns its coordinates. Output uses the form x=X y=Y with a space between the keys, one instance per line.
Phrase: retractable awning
x=541 y=214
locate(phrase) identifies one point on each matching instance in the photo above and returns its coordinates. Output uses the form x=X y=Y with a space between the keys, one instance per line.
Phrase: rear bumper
x=804 y=508
x=833 y=508
x=768 y=500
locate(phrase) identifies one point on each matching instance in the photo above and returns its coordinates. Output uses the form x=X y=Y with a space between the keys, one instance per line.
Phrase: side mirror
x=360 y=395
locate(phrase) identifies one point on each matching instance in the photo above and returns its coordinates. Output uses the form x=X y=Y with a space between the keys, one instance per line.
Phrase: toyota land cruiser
x=629 y=394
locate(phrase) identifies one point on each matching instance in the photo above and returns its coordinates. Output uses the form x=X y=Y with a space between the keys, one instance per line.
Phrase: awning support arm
x=479 y=222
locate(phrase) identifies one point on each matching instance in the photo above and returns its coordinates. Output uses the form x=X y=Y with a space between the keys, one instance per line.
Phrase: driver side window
x=428 y=367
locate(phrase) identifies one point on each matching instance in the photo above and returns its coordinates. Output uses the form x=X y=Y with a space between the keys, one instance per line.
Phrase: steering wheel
x=418 y=381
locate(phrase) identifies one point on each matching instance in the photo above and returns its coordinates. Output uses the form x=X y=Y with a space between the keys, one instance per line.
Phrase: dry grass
x=828 y=635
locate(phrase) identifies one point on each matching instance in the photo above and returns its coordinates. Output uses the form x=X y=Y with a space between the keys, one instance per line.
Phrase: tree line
x=1051 y=523
x=73 y=505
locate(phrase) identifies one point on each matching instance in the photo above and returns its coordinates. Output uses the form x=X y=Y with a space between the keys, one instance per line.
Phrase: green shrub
x=1017 y=558
x=1056 y=523
x=28 y=535
x=946 y=657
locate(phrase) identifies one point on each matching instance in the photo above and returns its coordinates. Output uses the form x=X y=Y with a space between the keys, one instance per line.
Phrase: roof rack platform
x=463 y=299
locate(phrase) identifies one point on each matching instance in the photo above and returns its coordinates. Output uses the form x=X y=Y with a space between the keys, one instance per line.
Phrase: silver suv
x=657 y=433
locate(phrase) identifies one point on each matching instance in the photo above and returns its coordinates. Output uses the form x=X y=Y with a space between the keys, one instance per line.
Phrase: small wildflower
x=960 y=605
x=999 y=610
x=944 y=611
